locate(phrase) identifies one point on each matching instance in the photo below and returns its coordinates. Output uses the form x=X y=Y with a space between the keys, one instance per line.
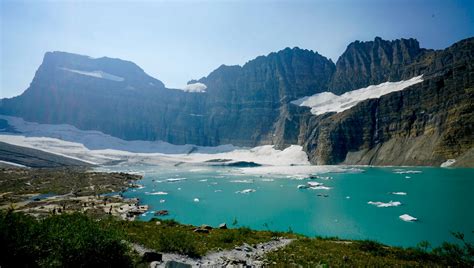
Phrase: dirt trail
x=239 y=256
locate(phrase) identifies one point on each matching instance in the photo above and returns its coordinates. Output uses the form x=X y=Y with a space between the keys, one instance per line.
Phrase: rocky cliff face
x=245 y=105
x=375 y=62
x=250 y=105
x=425 y=124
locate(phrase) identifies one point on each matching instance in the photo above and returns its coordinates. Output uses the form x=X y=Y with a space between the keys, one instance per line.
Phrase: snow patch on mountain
x=96 y=74
x=326 y=102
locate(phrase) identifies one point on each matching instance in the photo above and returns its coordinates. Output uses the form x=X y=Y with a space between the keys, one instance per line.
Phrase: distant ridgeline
x=424 y=119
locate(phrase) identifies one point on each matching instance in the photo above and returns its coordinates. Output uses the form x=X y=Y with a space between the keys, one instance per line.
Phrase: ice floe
x=242 y=181
x=399 y=193
x=246 y=191
x=299 y=172
x=402 y=171
x=196 y=200
x=328 y=102
x=313 y=183
x=175 y=179
x=406 y=217
x=384 y=205
x=321 y=187
x=156 y=193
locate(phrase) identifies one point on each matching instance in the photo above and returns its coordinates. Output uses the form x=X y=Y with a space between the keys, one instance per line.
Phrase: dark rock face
x=422 y=125
x=375 y=62
x=250 y=105
x=242 y=105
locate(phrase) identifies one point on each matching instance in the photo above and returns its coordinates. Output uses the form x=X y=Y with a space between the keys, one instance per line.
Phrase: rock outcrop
x=375 y=62
x=425 y=124
x=250 y=105
x=244 y=106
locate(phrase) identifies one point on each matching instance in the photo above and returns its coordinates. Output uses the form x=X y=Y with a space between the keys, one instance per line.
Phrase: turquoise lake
x=441 y=198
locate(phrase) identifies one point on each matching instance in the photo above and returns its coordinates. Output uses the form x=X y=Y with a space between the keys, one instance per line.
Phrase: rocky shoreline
x=43 y=192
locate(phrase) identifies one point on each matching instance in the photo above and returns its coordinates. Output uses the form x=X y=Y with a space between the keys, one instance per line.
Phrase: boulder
x=200 y=230
x=207 y=227
x=162 y=212
x=152 y=256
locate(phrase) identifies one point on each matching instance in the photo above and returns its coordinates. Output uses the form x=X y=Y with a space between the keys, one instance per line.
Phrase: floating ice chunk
x=268 y=180
x=246 y=191
x=196 y=200
x=384 y=205
x=242 y=181
x=162 y=200
x=321 y=187
x=324 y=178
x=217 y=191
x=406 y=217
x=407 y=177
x=328 y=102
x=203 y=180
x=448 y=163
x=175 y=179
x=302 y=186
x=314 y=184
x=348 y=197
x=157 y=193
x=399 y=193
x=401 y=171
x=195 y=88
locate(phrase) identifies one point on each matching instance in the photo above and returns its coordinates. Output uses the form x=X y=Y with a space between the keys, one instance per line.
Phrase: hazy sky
x=179 y=41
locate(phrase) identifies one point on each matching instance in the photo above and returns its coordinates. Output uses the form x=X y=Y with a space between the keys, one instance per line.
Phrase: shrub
x=64 y=240
x=178 y=241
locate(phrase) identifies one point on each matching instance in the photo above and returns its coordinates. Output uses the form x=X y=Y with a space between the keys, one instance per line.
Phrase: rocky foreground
x=43 y=192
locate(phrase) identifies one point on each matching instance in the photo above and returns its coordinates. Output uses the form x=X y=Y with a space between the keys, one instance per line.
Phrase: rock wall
x=425 y=124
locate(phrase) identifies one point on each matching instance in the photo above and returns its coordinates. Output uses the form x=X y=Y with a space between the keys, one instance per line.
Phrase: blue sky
x=179 y=41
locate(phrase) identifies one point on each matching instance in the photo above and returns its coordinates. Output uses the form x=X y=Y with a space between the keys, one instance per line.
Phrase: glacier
x=327 y=102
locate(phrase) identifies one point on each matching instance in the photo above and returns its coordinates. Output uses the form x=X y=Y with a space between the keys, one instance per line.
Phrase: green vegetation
x=170 y=236
x=331 y=251
x=69 y=240
x=78 y=240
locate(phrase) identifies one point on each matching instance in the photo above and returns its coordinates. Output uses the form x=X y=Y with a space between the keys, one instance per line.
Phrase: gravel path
x=240 y=256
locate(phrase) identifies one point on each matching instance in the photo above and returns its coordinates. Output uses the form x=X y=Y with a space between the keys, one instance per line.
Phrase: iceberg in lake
x=384 y=205
x=246 y=191
x=406 y=217
x=399 y=193
x=157 y=193
x=175 y=179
